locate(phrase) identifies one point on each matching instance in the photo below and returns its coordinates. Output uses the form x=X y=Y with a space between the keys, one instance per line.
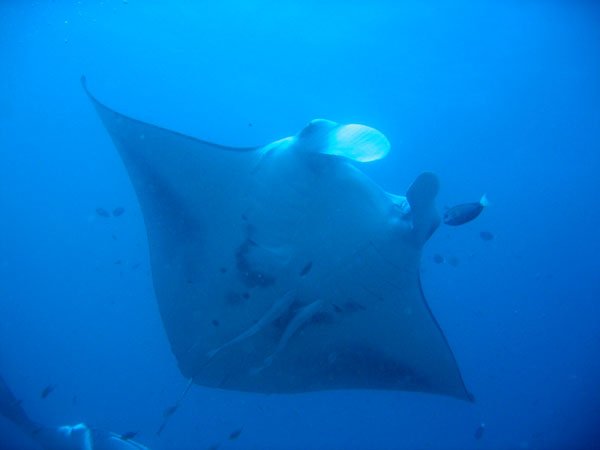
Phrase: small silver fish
x=128 y=435
x=460 y=214
x=102 y=212
x=479 y=431
x=486 y=236
x=235 y=434
x=47 y=390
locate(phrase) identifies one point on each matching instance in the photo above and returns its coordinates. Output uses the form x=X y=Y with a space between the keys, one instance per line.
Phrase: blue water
x=497 y=97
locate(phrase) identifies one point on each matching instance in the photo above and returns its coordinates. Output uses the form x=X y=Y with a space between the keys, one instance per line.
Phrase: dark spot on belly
x=223 y=270
x=249 y=276
x=215 y=322
x=246 y=295
x=306 y=269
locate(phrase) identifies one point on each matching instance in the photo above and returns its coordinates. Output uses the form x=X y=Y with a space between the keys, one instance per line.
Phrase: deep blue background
x=497 y=97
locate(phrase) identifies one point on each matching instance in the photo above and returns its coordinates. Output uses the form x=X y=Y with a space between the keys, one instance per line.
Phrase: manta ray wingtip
x=83 y=80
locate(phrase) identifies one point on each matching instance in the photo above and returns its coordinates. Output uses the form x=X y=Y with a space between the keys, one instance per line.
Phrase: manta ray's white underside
x=284 y=268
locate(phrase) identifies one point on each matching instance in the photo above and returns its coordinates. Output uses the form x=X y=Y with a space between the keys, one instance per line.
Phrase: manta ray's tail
x=171 y=410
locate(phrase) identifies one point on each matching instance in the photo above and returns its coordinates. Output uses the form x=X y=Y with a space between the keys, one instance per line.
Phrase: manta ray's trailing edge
x=284 y=268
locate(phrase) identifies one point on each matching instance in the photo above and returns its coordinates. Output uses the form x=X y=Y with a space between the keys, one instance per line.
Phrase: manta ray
x=284 y=268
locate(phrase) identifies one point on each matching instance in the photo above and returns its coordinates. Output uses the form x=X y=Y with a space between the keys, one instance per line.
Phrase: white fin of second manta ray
x=278 y=308
x=355 y=142
x=301 y=317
